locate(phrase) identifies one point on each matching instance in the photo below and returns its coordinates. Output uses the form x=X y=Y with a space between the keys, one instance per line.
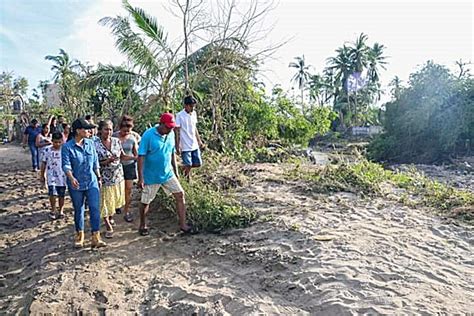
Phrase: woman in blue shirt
x=81 y=166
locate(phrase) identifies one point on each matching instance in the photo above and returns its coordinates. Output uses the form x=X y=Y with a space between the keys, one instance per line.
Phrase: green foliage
x=210 y=206
x=212 y=211
x=365 y=177
x=430 y=120
x=293 y=126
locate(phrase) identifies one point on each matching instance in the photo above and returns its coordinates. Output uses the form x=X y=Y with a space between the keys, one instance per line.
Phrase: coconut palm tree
x=396 y=87
x=301 y=76
x=316 y=89
x=63 y=65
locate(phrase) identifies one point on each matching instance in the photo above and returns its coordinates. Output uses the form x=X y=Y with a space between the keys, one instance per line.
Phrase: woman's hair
x=43 y=127
x=103 y=123
x=64 y=125
x=126 y=121
x=34 y=121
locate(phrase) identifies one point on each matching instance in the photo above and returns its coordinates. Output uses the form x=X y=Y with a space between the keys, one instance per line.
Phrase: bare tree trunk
x=186 y=66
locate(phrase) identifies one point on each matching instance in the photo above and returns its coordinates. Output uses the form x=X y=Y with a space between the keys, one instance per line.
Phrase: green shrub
x=364 y=177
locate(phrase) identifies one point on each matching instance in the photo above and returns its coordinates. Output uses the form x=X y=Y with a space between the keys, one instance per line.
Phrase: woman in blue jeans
x=81 y=166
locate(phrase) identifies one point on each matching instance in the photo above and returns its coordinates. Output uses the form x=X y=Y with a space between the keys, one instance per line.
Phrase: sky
x=412 y=32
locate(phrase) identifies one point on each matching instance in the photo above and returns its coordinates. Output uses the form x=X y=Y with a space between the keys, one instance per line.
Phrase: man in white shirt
x=188 y=141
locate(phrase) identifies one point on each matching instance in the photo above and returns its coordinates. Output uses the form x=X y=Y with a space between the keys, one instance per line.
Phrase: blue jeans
x=78 y=202
x=34 y=156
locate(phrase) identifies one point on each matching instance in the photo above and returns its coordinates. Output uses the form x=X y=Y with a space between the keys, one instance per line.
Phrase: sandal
x=144 y=231
x=128 y=217
x=190 y=231
x=52 y=216
x=112 y=222
x=109 y=234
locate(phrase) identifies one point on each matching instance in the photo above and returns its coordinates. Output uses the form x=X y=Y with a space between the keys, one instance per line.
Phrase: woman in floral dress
x=112 y=192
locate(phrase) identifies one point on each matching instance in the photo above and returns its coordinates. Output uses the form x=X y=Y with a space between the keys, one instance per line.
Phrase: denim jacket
x=82 y=161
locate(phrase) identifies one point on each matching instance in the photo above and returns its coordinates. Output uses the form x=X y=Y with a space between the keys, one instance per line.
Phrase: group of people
x=98 y=166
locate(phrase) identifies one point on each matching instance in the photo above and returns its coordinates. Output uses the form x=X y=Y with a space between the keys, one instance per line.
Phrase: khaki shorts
x=170 y=186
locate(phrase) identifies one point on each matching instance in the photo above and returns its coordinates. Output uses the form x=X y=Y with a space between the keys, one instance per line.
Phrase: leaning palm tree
x=301 y=76
x=148 y=53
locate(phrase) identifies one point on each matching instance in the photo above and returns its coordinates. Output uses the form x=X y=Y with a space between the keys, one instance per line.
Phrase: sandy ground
x=307 y=254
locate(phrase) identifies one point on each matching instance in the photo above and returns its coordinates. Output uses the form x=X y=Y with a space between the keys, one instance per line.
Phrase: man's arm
x=174 y=164
x=198 y=137
x=176 y=139
x=140 y=172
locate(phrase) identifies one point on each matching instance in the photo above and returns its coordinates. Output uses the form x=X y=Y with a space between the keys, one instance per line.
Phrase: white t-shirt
x=187 y=130
x=54 y=171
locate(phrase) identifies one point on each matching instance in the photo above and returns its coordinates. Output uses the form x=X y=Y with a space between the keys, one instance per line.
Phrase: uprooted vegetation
x=409 y=187
x=210 y=204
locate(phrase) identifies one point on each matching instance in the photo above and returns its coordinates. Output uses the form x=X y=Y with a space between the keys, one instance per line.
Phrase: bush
x=430 y=120
x=365 y=177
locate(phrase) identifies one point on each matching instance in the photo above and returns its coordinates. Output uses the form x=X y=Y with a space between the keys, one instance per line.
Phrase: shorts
x=130 y=171
x=150 y=190
x=56 y=191
x=192 y=158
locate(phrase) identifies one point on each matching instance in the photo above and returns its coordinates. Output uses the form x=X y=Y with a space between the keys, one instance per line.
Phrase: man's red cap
x=168 y=120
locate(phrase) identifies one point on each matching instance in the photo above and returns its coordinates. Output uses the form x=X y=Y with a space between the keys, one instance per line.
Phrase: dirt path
x=307 y=254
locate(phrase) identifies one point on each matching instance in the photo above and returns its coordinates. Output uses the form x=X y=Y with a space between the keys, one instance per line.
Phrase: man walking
x=188 y=141
x=157 y=168
x=29 y=138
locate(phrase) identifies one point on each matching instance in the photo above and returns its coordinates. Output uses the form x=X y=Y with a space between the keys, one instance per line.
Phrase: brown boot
x=79 y=239
x=96 y=242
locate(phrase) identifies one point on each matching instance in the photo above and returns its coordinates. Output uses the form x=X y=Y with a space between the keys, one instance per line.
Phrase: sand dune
x=307 y=254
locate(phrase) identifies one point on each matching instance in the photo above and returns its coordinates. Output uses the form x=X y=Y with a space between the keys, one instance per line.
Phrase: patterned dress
x=112 y=191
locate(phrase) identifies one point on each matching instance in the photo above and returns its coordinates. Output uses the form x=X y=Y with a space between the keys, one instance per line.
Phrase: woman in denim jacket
x=81 y=166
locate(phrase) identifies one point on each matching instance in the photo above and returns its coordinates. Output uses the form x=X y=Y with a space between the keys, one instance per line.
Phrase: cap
x=81 y=123
x=168 y=120
x=189 y=100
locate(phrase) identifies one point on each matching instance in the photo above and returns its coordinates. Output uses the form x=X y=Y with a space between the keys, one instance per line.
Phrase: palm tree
x=67 y=80
x=340 y=68
x=63 y=65
x=301 y=77
x=376 y=59
x=396 y=87
x=359 y=55
x=316 y=89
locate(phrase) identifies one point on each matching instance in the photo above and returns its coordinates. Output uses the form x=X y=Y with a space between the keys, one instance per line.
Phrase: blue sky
x=30 y=30
x=413 y=31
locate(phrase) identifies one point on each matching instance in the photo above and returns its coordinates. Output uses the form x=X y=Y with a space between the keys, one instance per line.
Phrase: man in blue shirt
x=29 y=137
x=157 y=168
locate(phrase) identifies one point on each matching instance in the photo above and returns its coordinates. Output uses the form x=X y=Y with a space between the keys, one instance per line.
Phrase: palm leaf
x=109 y=75
x=147 y=24
x=132 y=45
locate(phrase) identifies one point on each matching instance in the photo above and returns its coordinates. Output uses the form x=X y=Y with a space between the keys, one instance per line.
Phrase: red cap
x=168 y=120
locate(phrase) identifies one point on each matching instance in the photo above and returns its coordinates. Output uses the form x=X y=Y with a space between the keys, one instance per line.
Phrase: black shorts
x=130 y=171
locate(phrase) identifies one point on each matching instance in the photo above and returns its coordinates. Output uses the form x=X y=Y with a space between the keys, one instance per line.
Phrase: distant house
x=365 y=131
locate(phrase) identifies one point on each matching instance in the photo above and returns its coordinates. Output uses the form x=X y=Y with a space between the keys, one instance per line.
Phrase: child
x=51 y=162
